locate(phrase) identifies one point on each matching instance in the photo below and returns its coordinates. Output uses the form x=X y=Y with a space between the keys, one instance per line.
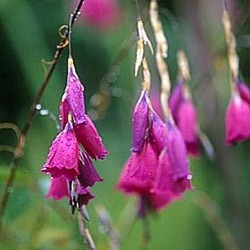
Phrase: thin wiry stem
x=24 y=132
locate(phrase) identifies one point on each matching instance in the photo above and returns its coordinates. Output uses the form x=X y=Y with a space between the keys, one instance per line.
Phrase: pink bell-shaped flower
x=59 y=188
x=90 y=139
x=186 y=120
x=63 y=155
x=237 y=120
x=140 y=122
x=139 y=172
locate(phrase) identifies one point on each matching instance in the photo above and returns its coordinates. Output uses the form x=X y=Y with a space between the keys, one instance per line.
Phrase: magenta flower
x=102 y=14
x=73 y=99
x=244 y=91
x=88 y=175
x=59 y=188
x=64 y=111
x=158 y=133
x=237 y=120
x=177 y=153
x=140 y=122
x=185 y=117
x=84 y=196
x=88 y=136
x=176 y=99
x=139 y=172
x=172 y=174
x=186 y=120
x=63 y=155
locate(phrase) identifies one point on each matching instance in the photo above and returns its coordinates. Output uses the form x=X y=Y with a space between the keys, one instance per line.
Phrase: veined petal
x=88 y=136
x=74 y=94
x=177 y=153
x=176 y=99
x=59 y=188
x=87 y=172
x=244 y=92
x=64 y=111
x=237 y=120
x=138 y=173
x=140 y=122
x=84 y=196
x=186 y=121
x=158 y=133
x=63 y=155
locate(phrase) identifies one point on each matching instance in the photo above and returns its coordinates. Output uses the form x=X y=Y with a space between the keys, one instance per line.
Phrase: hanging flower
x=138 y=173
x=73 y=98
x=59 y=188
x=187 y=123
x=237 y=120
x=140 y=122
x=88 y=136
x=185 y=117
x=88 y=175
x=244 y=91
x=63 y=155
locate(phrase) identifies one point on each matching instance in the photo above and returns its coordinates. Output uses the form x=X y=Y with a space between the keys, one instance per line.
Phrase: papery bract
x=237 y=120
x=140 y=122
x=139 y=172
x=59 y=188
x=87 y=172
x=63 y=155
x=88 y=136
x=186 y=121
x=74 y=94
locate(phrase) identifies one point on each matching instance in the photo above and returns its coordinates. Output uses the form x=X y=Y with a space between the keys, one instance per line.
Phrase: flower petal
x=87 y=172
x=140 y=122
x=59 y=188
x=63 y=155
x=237 y=120
x=88 y=136
x=74 y=94
x=139 y=172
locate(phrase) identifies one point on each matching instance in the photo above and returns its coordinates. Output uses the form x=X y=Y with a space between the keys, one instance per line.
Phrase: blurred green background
x=211 y=216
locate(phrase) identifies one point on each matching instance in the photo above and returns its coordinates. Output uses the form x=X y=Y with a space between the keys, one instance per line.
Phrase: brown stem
x=21 y=143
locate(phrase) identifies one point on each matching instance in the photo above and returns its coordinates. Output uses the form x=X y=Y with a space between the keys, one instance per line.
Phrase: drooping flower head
x=73 y=98
x=173 y=173
x=140 y=122
x=185 y=117
x=63 y=155
x=90 y=139
x=59 y=188
x=237 y=120
x=244 y=91
x=138 y=173
x=187 y=124
x=69 y=159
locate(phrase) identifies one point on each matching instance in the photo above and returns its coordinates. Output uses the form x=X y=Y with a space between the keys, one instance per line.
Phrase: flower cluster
x=69 y=159
x=158 y=168
x=185 y=117
x=238 y=115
